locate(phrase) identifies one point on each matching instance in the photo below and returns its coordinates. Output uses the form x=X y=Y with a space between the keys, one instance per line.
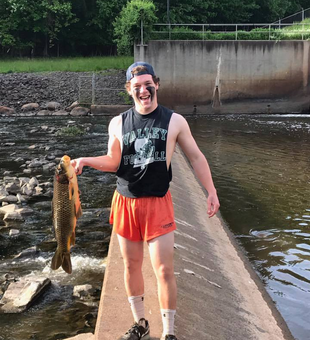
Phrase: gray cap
x=148 y=70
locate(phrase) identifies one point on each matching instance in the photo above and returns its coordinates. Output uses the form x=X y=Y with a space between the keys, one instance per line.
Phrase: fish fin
x=66 y=263
x=56 y=260
x=72 y=239
x=70 y=188
x=78 y=209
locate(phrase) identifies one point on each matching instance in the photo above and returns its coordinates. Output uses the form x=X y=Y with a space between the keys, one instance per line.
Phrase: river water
x=260 y=166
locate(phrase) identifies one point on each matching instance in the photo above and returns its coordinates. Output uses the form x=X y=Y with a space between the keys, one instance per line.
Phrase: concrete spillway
x=219 y=294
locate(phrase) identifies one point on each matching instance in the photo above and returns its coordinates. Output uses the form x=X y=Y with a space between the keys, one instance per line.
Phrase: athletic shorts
x=142 y=219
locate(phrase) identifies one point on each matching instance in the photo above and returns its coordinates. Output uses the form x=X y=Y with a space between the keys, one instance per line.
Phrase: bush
x=127 y=27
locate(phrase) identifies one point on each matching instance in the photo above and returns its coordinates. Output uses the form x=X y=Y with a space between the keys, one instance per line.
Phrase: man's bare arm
x=198 y=162
x=109 y=162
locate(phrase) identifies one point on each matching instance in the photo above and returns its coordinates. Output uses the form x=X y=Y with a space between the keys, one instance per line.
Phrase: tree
x=127 y=26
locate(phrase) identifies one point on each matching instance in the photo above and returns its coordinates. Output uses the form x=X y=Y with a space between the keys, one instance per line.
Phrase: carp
x=66 y=209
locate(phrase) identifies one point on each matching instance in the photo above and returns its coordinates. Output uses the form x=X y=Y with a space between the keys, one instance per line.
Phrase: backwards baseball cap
x=148 y=70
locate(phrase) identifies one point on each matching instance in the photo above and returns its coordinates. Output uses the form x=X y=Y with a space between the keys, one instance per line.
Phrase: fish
x=66 y=209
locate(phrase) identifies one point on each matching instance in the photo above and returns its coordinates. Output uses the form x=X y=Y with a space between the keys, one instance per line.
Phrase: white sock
x=168 y=321
x=137 y=307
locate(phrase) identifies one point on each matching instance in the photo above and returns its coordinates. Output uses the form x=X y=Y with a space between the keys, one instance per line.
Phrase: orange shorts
x=142 y=219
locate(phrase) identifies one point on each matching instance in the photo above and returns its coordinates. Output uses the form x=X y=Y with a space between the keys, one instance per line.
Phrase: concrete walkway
x=219 y=295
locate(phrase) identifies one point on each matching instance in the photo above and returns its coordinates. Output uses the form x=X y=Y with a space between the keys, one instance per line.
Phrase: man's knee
x=132 y=264
x=165 y=273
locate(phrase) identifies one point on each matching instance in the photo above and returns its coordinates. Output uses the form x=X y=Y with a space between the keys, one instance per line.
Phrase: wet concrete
x=219 y=294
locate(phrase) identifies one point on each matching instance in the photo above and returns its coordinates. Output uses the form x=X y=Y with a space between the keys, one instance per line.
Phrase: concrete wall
x=190 y=70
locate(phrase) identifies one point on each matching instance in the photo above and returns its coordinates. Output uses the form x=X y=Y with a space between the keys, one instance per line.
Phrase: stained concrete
x=220 y=297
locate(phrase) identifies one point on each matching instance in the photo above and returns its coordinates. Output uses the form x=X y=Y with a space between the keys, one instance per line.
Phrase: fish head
x=62 y=170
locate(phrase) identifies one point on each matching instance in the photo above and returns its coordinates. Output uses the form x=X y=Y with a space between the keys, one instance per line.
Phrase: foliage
x=94 y=27
x=71 y=131
x=127 y=25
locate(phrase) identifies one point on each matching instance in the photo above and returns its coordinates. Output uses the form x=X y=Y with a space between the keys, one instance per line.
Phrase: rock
x=72 y=106
x=21 y=198
x=84 y=292
x=9 y=144
x=43 y=113
x=33 y=182
x=79 y=111
x=27 y=171
x=24 y=211
x=3 y=192
x=19 y=295
x=38 y=190
x=8 y=208
x=35 y=164
x=52 y=106
x=12 y=188
x=60 y=113
x=23 y=181
x=6 y=110
x=50 y=157
x=30 y=107
x=29 y=252
x=48 y=166
x=27 y=190
x=18 y=159
x=6 y=173
x=14 y=232
x=31 y=147
x=13 y=216
x=44 y=127
x=9 y=199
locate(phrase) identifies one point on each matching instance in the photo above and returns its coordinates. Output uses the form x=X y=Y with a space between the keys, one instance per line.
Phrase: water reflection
x=260 y=165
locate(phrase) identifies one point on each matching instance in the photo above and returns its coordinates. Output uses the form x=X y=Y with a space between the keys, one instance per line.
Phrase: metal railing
x=92 y=90
x=275 y=31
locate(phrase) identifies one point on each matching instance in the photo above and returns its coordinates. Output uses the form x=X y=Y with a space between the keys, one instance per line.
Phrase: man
x=140 y=148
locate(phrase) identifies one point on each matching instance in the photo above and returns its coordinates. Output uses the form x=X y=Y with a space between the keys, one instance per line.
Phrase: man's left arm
x=198 y=162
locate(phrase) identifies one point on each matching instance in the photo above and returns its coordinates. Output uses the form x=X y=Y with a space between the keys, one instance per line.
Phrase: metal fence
x=289 y=28
x=94 y=89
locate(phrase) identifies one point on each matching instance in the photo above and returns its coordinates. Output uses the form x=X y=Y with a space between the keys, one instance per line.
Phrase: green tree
x=128 y=24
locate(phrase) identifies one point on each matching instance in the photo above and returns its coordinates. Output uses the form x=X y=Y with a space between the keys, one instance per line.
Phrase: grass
x=90 y=64
x=70 y=131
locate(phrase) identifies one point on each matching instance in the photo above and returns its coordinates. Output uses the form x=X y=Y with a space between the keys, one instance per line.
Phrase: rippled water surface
x=260 y=166
x=57 y=314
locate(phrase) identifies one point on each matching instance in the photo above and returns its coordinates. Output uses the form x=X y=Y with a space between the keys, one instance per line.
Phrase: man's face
x=143 y=91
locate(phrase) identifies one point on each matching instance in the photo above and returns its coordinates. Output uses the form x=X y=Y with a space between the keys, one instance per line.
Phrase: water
x=260 y=165
x=57 y=314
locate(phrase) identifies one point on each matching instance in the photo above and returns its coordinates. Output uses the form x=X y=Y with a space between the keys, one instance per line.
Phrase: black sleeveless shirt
x=143 y=168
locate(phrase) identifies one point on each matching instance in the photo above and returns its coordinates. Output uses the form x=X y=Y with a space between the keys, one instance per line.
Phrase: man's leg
x=161 y=252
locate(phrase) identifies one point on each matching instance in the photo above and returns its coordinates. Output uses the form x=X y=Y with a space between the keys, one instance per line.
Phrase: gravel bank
x=17 y=89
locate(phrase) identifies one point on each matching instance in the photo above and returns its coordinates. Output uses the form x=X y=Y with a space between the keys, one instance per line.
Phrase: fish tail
x=62 y=259
x=66 y=263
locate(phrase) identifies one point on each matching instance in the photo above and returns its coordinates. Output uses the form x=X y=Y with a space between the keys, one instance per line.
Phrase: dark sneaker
x=169 y=337
x=140 y=330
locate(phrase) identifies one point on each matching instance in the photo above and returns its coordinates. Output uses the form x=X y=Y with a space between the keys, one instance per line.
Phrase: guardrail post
x=203 y=32
x=269 y=32
x=236 y=32
x=93 y=88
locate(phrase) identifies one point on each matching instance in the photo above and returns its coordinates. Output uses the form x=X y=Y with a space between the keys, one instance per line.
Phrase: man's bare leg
x=132 y=253
x=161 y=253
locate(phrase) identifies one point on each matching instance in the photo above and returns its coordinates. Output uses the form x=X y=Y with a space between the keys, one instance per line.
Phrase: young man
x=141 y=144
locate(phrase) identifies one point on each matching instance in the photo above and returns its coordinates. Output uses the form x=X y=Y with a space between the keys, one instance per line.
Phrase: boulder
x=83 y=336
x=14 y=232
x=9 y=199
x=29 y=252
x=53 y=106
x=8 y=208
x=6 y=110
x=19 y=295
x=33 y=182
x=21 y=198
x=84 y=292
x=43 y=113
x=12 y=188
x=72 y=106
x=24 y=211
x=23 y=180
x=79 y=111
x=13 y=216
x=3 y=192
x=30 y=107
x=60 y=113
x=27 y=190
